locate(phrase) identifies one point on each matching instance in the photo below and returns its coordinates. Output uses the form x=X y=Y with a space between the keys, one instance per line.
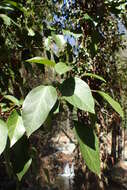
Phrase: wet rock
x=64 y=144
x=119 y=173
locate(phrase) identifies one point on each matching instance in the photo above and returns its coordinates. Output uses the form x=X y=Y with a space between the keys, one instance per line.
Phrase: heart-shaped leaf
x=37 y=106
x=78 y=93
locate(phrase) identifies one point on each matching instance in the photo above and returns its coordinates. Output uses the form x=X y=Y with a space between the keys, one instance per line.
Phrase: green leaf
x=12 y=99
x=59 y=40
x=30 y=32
x=47 y=43
x=15 y=4
x=75 y=35
x=62 y=68
x=25 y=169
x=78 y=93
x=41 y=60
x=87 y=17
x=15 y=127
x=20 y=154
x=6 y=8
x=89 y=146
x=4 y=107
x=115 y=105
x=6 y=19
x=95 y=76
x=37 y=106
x=3 y=135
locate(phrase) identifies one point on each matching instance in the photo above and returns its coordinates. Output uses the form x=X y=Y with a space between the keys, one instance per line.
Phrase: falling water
x=65 y=180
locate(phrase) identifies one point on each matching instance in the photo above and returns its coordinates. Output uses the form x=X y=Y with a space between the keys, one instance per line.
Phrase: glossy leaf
x=78 y=93
x=95 y=76
x=89 y=146
x=12 y=99
x=15 y=127
x=25 y=169
x=3 y=135
x=37 y=106
x=115 y=105
x=41 y=60
x=62 y=68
